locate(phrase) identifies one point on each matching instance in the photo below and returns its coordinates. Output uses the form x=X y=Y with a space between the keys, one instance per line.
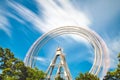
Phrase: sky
x=24 y=21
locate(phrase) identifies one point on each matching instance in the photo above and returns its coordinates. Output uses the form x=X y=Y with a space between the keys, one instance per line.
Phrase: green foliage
x=14 y=69
x=114 y=75
x=6 y=58
x=87 y=76
x=34 y=74
x=59 y=78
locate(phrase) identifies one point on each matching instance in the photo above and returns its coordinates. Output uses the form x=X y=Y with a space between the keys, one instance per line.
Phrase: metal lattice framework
x=99 y=46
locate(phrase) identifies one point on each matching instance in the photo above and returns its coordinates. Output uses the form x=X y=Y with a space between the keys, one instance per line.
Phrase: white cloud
x=114 y=49
x=40 y=59
x=27 y=15
x=64 y=15
x=53 y=15
x=4 y=25
x=15 y=17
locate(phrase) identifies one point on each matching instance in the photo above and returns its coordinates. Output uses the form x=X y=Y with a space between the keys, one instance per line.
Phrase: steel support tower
x=62 y=68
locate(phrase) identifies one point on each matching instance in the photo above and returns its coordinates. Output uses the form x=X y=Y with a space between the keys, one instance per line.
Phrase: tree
x=14 y=69
x=6 y=58
x=114 y=75
x=59 y=78
x=34 y=74
x=87 y=76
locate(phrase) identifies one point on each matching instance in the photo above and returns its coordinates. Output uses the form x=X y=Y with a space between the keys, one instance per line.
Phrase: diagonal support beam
x=62 y=64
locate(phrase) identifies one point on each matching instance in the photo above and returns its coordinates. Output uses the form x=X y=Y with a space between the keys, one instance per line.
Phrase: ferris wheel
x=99 y=46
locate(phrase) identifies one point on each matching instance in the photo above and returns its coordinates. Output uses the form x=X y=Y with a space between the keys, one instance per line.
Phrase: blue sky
x=23 y=21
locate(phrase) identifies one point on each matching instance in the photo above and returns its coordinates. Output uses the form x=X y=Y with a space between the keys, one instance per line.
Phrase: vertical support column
x=62 y=64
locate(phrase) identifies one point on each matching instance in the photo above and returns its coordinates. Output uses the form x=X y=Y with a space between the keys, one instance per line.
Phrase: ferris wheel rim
x=65 y=28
